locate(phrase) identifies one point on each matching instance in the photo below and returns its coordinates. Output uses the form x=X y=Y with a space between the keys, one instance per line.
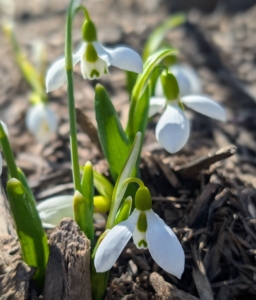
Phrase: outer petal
x=172 y=130
x=164 y=246
x=188 y=80
x=120 y=57
x=155 y=105
x=114 y=242
x=56 y=74
x=205 y=106
x=52 y=210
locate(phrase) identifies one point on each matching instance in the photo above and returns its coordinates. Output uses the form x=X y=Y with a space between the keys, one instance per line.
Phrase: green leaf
x=112 y=137
x=131 y=78
x=141 y=112
x=141 y=85
x=124 y=211
x=103 y=185
x=83 y=203
x=155 y=39
x=121 y=186
x=32 y=237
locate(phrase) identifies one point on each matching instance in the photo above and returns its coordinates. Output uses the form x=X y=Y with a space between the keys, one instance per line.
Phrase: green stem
x=8 y=154
x=71 y=101
x=134 y=179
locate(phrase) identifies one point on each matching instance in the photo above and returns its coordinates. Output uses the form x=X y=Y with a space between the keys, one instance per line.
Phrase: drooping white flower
x=148 y=231
x=53 y=210
x=188 y=81
x=94 y=58
x=42 y=122
x=172 y=129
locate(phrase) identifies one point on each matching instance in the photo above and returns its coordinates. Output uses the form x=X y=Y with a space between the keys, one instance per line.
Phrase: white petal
x=205 y=106
x=164 y=246
x=77 y=56
x=56 y=74
x=42 y=122
x=53 y=210
x=120 y=57
x=159 y=89
x=114 y=242
x=155 y=105
x=172 y=129
x=188 y=80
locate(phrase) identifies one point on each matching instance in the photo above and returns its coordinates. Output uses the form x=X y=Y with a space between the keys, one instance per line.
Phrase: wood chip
x=68 y=269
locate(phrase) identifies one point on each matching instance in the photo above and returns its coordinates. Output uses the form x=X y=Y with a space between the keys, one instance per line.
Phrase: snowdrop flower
x=172 y=129
x=188 y=81
x=94 y=59
x=54 y=209
x=148 y=231
x=42 y=122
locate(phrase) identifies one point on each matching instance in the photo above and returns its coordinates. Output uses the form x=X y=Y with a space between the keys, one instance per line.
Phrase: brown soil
x=211 y=205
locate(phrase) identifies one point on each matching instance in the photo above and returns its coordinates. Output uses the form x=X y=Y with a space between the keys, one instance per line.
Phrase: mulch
x=207 y=191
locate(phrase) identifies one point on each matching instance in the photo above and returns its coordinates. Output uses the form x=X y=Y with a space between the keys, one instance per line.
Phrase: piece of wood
x=199 y=275
x=167 y=291
x=201 y=206
x=68 y=269
x=193 y=168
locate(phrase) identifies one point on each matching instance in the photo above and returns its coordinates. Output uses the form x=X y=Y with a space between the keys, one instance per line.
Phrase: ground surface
x=212 y=211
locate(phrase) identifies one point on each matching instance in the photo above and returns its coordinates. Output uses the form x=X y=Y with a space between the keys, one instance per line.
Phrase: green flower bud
x=143 y=200
x=89 y=31
x=170 y=85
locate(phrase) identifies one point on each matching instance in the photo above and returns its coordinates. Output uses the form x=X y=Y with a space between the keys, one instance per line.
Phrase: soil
x=208 y=200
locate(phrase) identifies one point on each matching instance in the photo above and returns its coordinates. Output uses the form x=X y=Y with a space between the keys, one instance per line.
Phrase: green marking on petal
x=91 y=54
x=143 y=200
x=143 y=242
x=142 y=224
x=94 y=73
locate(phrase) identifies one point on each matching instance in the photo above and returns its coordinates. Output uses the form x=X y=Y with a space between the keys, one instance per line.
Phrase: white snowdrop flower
x=53 y=210
x=148 y=231
x=172 y=129
x=94 y=59
x=188 y=81
x=42 y=122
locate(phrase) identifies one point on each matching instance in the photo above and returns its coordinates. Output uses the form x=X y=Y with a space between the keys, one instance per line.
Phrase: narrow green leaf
x=120 y=186
x=131 y=78
x=112 y=137
x=124 y=211
x=83 y=215
x=103 y=185
x=155 y=39
x=32 y=237
x=141 y=85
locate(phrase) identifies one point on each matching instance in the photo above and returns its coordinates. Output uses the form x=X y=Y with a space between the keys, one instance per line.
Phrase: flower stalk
x=71 y=100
